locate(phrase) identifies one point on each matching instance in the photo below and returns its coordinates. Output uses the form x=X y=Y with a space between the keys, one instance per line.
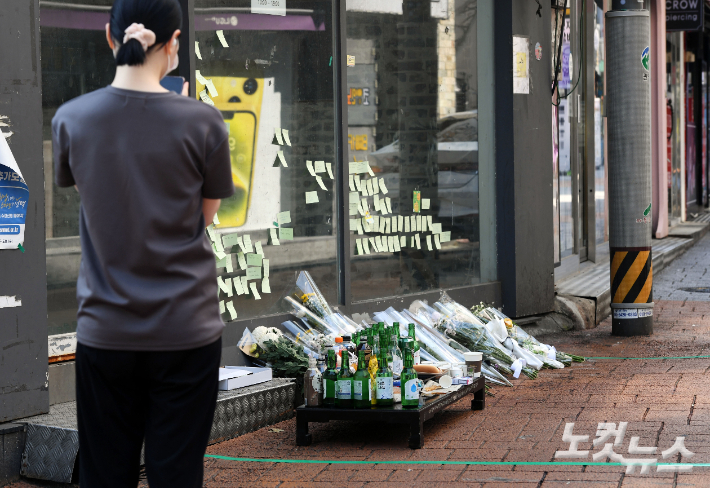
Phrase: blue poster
x=14 y=196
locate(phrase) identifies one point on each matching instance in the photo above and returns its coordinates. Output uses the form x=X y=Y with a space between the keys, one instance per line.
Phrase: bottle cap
x=346 y=339
x=338 y=340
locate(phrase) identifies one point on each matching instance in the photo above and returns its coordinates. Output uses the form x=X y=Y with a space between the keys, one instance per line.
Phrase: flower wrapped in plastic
x=313 y=321
x=310 y=295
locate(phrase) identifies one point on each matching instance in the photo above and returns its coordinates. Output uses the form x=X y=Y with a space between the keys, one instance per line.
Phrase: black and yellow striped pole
x=628 y=105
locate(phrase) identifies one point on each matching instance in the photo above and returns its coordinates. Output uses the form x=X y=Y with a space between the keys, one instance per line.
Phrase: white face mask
x=175 y=61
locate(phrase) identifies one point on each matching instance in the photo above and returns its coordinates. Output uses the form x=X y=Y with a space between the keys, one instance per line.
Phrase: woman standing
x=151 y=167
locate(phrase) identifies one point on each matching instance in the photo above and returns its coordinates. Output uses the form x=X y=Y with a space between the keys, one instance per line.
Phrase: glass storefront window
x=274 y=74
x=75 y=60
x=412 y=114
x=600 y=180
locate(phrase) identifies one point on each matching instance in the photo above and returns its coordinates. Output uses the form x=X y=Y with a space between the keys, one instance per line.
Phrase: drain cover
x=697 y=289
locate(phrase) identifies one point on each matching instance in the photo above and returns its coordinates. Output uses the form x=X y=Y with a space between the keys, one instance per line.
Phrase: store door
x=674 y=109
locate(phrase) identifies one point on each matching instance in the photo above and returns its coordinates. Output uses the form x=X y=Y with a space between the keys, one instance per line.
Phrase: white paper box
x=255 y=376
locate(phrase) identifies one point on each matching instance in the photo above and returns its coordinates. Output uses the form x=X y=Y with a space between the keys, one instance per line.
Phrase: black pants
x=167 y=398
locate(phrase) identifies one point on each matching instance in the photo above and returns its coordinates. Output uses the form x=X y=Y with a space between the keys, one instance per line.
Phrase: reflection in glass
x=412 y=113
x=75 y=60
x=270 y=74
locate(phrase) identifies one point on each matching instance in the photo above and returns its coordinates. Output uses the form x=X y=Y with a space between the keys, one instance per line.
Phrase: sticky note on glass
x=413 y=220
x=388 y=200
x=416 y=238
x=274 y=239
x=400 y=223
x=369 y=170
x=320 y=183
x=254 y=259
x=370 y=188
x=245 y=284
x=311 y=197
x=259 y=250
x=231 y=310
x=211 y=88
x=357 y=167
x=242 y=261
x=366 y=225
x=417 y=201
x=219 y=254
x=395 y=241
x=366 y=246
x=424 y=227
x=252 y=286
x=352 y=183
x=411 y=242
x=277 y=134
x=320 y=166
x=205 y=98
x=285 y=234
x=375 y=186
x=390 y=244
x=358 y=244
x=373 y=242
x=247 y=244
x=330 y=170
x=388 y=229
x=221 y=306
x=446 y=236
x=383 y=188
x=200 y=79
x=352 y=208
x=425 y=204
x=419 y=223
x=436 y=228
x=309 y=165
x=197 y=51
x=229 y=240
x=402 y=241
x=285 y=134
x=228 y=283
x=437 y=244
x=283 y=217
x=220 y=36
x=253 y=273
x=238 y=285
x=222 y=285
x=428 y=242
x=265 y=286
x=359 y=227
x=265 y=264
x=222 y=263
x=280 y=155
x=429 y=220
x=358 y=185
x=228 y=262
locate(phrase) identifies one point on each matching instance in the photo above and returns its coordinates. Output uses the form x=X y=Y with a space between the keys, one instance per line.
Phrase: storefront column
x=658 y=119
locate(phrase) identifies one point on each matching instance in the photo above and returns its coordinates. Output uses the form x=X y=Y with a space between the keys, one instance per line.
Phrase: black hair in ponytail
x=163 y=17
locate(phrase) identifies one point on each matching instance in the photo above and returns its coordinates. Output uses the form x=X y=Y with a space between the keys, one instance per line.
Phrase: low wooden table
x=415 y=417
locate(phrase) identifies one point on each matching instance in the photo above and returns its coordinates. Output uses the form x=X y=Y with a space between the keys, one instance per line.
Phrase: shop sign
x=684 y=15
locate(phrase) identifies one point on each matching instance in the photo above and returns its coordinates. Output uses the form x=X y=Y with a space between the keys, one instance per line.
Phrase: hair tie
x=138 y=32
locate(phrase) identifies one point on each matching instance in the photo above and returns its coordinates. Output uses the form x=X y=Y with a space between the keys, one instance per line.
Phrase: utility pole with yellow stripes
x=628 y=111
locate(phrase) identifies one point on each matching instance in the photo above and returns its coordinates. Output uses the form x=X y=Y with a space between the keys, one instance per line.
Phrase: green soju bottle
x=397 y=363
x=330 y=381
x=361 y=384
x=345 y=389
x=384 y=393
x=410 y=386
x=415 y=345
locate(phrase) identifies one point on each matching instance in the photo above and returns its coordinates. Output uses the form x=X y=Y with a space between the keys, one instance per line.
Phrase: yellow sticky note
x=220 y=36
x=320 y=166
x=230 y=240
x=252 y=286
x=425 y=204
x=265 y=264
x=253 y=274
x=280 y=155
x=277 y=133
x=232 y=311
x=274 y=239
x=265 y=286
x=221 y=306
x=283 y=217
x=285 y=234
x=330 y=170
x=320 y=183
x=309 y=165
x=285 y=134
x=311 y=197
x=228 y=283
x=521 y=64
x=242 y=261
x=197 y=51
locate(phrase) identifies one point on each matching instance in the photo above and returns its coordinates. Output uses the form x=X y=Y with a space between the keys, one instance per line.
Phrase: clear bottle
x=330 y=381
x=409 y=382
x=415 y=345
x=385 y=384
x=313 y=382
x=352 y=353
x=320 y=364
x=361 y=384
x=345 y=389
x=397 y=363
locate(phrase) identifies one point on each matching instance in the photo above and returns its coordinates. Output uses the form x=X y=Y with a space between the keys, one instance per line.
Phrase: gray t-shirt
x=143 y=162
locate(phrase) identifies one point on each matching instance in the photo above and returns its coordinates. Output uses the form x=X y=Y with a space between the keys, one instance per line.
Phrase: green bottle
x=361 y=384
x=345 y=389
x=373 y=367
x=409 y=382
x=396 y=364
x=415 y=345
x=330 y=380
x=385 y=384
